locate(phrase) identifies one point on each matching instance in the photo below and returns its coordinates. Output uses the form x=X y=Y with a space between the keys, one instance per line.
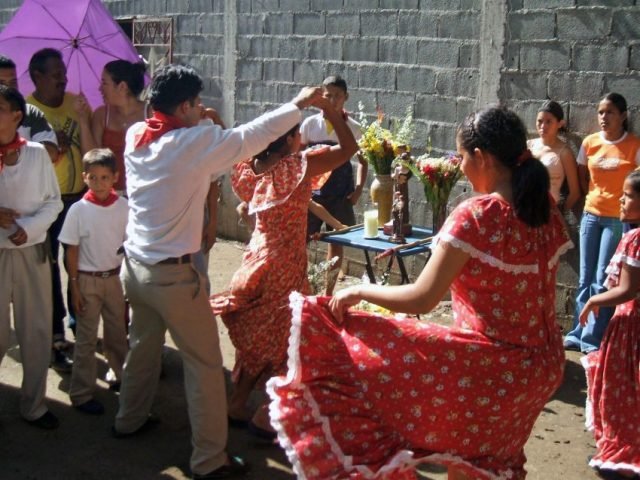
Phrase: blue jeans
x=599 y=238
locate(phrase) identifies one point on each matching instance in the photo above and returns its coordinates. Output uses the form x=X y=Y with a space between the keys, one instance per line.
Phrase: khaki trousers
x=102 y=296
x=173 y=297
x=25 y=281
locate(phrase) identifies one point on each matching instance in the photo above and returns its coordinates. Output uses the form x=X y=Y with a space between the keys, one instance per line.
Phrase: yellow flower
x=380 y=146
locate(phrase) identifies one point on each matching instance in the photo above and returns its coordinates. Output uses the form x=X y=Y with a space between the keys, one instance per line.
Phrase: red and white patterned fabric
x=255 y=309
x=375 y=396
x=613 y=375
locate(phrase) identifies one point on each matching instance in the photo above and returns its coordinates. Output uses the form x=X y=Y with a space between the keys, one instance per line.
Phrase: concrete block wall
x=393 y=54
x=572 y=51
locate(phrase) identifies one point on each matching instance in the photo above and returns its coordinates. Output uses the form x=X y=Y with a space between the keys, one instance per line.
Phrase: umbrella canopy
x=83 y=30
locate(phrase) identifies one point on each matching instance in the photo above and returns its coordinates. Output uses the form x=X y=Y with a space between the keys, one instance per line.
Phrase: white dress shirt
x=168 y=180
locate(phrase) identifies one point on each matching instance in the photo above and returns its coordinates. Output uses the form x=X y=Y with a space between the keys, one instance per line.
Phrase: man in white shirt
x=35 y=127
x=169 y=162
x=29 y=203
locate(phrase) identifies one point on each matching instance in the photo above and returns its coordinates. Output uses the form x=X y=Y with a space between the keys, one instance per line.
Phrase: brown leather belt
x=105 y=274
x=186 y=258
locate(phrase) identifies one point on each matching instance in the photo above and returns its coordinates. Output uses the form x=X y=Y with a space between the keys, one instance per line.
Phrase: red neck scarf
x=157 y=126
x=110 y=200
x=12 y=146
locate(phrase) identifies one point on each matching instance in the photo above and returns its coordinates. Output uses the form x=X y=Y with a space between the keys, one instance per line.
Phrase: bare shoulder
x=565 y=153
x=99 y=115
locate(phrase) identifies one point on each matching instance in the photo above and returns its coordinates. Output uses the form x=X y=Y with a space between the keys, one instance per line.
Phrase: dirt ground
x=82 y=448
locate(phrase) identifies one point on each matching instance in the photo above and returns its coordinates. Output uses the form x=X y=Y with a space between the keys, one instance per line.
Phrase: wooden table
x=355 y=239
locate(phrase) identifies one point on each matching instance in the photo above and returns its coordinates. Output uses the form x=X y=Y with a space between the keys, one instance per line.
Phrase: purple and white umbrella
x=83 y=30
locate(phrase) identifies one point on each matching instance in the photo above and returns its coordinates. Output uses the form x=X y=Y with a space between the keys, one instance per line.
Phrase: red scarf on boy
x=110 y=200
x=12 y=146
x=157 y=126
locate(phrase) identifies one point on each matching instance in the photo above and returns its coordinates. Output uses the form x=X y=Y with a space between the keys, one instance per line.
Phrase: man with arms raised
x=170 y=161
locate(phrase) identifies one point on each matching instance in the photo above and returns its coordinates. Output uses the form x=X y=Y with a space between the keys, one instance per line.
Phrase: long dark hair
x=554 y=108
x=620 y=103
x=277 y=144
x=130 y=73
x=501 y=133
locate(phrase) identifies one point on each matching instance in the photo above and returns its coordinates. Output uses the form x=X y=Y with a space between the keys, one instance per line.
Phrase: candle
x=371 y=224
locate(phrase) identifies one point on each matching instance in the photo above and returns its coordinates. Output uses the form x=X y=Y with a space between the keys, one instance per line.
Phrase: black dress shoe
x=91 y=407
x=48 y=421
x=608 y=474
x=236 y=468
x=151 y=423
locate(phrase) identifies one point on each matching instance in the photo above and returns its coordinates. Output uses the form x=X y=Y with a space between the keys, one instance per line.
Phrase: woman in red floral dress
x=277 y=186
x=613 y=372
x=369 y=397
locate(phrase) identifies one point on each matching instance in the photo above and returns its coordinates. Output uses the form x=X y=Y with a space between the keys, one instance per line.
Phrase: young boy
x=337 y=195
x=93 y=231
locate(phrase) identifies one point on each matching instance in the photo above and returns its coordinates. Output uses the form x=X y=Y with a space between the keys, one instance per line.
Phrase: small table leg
x=369 y=268
x=403 y=271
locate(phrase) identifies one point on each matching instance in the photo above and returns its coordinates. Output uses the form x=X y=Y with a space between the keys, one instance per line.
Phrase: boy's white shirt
x=314 y=130
x=98 y=231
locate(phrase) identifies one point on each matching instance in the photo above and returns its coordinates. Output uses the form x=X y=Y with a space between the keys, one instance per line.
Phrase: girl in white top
x=555 y=154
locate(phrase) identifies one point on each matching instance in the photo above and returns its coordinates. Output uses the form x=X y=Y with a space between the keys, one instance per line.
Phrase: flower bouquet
x=438 y=176
x=379 y=145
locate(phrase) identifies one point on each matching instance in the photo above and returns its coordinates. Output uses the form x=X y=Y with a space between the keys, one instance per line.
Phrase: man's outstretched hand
x=307 y=97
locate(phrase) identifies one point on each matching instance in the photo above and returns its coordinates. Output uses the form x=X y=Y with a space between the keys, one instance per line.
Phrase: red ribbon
x=110 y=200
x=157 y=126
x=12 y=146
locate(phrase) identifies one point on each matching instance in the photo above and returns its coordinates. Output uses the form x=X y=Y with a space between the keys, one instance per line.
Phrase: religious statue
x=400 y=177
x=397 y=214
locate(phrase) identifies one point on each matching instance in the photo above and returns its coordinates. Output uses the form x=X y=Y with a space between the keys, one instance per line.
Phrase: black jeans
x=59 y=311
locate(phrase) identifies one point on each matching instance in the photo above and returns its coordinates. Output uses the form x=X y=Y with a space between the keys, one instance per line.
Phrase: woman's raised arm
x=337 y=154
